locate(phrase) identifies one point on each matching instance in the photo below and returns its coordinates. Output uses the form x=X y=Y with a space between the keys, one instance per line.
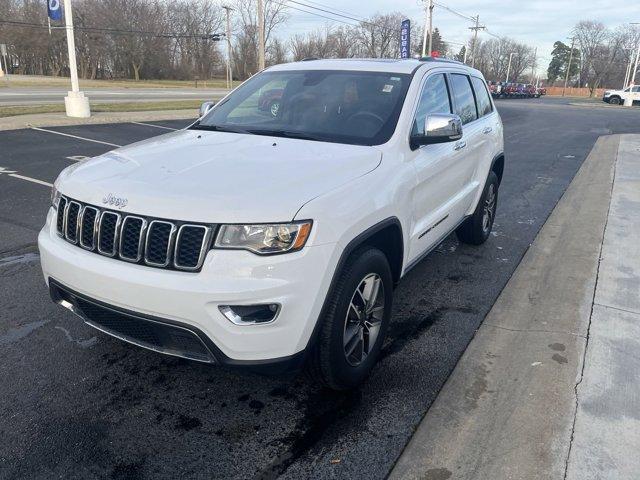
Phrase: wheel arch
x=383 y=235
x=497 y=166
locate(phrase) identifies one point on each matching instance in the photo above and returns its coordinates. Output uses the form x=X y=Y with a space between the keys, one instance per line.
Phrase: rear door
x=489 y=126
x=470 y=148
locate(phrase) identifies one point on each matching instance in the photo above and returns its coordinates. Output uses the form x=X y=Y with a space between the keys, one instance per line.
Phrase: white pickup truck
x=618 y=97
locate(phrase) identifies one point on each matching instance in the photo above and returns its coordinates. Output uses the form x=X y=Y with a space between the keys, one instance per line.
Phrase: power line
x=316 y=14
x=336 y=9
x=118 y=31
x=356 y=19
x=451 y=10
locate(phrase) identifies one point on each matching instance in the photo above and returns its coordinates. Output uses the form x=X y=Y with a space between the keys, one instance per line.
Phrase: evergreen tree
x=560 y=60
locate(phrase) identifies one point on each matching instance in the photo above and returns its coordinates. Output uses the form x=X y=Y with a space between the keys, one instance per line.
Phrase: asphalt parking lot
x=77 y=404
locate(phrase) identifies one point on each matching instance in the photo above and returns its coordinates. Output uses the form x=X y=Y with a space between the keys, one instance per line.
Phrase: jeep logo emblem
x=113 y=201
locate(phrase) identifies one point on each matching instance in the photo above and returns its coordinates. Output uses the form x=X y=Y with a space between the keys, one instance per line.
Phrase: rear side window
x=464 y=101
x=482 y=96
x=433 y=99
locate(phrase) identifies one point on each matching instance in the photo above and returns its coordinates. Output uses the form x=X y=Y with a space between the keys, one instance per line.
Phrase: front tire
x=614 y=100
x=476 y=229
x=355 y=324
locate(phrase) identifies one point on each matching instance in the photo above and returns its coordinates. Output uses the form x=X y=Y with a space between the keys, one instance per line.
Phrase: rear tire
x=353 y=329
x=476 y=229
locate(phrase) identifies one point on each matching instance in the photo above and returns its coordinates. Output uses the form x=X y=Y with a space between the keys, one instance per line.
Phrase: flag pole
x=76 y=104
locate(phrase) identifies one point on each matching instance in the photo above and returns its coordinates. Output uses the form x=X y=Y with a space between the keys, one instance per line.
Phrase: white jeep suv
x=275 y=241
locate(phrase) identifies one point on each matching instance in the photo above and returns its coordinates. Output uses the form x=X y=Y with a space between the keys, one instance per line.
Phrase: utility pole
x=428 y=30
x=566 y=77
x=228 y=35
x=509 y=65
x=261 y=35
x=76 y=104
x=475 y=29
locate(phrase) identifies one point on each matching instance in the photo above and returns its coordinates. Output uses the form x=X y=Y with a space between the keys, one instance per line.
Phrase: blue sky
x=538 y=23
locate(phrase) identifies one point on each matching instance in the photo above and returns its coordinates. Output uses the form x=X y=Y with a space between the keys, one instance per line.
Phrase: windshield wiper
x=287 y=134
x=219 y=128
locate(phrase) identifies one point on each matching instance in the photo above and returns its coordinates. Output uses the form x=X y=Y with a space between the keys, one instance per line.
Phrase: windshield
x=354 y=107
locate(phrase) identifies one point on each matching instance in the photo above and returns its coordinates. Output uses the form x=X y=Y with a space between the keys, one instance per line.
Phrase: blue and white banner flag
x=405 y=39
x=54 y=9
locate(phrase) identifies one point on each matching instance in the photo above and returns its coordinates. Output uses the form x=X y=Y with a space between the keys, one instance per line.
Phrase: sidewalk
x=60 y=119
x=549 y=386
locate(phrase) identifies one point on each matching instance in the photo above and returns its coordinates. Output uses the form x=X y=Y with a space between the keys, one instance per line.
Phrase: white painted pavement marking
x=12 y=173
x=75 y=136
x=152 y=125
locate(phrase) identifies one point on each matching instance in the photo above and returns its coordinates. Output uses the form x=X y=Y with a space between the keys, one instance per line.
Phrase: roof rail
x=438 y=59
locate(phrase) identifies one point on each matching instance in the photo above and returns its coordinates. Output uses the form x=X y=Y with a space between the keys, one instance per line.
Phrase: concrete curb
x=507 y=411
x=60 y=119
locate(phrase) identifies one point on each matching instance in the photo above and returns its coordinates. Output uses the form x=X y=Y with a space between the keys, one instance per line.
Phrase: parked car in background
x=618 y=97
x=269 y=101
x=531 y=91
x=495 y=88
x=541 y=91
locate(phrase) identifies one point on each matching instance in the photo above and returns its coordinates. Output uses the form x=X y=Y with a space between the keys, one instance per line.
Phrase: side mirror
x=438 y=128
x=205 y=107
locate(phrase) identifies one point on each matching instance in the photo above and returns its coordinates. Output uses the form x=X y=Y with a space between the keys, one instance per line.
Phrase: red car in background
x=541 y=91
x=269 y=101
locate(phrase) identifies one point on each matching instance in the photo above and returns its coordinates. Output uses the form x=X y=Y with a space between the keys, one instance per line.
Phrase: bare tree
x=600 y=48
x=245 y=51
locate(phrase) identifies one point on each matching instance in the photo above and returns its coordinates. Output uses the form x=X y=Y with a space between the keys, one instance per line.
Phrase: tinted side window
x=465 y=103
x=482 y=96
x=433 y=99
x=636 y=89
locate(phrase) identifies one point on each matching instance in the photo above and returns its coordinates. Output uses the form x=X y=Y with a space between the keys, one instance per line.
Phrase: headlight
x=55 y=197
x=264 y=239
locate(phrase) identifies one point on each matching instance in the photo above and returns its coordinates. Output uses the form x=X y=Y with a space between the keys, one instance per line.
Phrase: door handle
x=487 y=130
x=460 y=145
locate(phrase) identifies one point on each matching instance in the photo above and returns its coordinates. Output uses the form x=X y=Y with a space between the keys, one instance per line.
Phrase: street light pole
x=635 y=66
x=566 y=77
x=533 y=64
x=509 y=65
x=261 y=35
x=76 y=104
x=228 y=35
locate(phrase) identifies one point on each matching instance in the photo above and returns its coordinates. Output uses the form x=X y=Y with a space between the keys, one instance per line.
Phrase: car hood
x=217 y=177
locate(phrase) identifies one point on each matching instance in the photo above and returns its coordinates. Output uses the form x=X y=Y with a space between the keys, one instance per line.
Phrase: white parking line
x=152 y=125
x=75 y=136
x=29 y=179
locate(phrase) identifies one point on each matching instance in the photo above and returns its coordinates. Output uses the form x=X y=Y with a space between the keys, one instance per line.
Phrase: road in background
x=48 y=95
x=78 y=404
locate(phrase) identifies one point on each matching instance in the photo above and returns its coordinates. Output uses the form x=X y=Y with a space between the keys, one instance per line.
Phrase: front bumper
x=297 y=281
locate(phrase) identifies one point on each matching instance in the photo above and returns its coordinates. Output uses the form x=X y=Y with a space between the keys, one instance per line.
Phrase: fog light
x=250 y=314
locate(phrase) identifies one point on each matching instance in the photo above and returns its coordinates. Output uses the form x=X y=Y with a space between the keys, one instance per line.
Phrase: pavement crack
x=533 y=330
x=593 y=303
